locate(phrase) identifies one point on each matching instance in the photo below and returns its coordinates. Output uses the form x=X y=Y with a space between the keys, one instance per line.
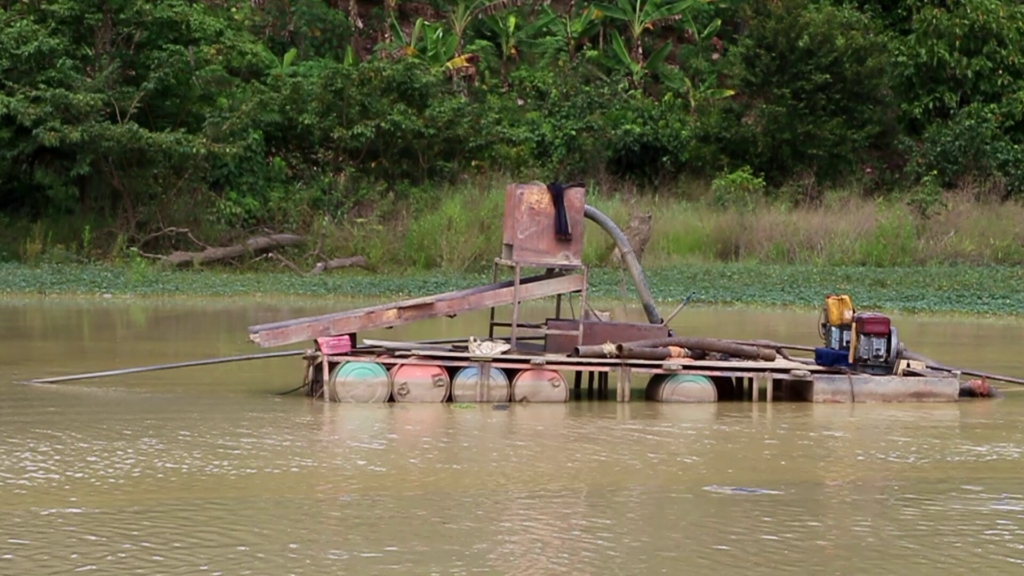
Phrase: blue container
x=831 y=357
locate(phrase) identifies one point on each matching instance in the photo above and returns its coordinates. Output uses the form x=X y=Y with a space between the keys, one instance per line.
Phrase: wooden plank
x=394 y=314
x=498 y=362
x=410 y=302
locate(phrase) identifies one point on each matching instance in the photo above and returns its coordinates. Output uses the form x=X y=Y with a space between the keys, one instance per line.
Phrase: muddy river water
x=207 y=471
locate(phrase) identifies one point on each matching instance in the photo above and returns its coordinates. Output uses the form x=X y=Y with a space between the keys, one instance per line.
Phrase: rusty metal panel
x=396 y=313
x=841 y=388
x=596 y=332
x=528 y=232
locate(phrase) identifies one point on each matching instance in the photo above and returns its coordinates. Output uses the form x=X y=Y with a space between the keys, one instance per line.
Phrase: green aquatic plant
x=989 y=290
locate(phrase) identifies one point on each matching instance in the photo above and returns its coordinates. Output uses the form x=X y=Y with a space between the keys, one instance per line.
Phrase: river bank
x=985 y=291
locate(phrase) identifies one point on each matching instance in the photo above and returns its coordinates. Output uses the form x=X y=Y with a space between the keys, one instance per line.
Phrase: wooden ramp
x=396 y=313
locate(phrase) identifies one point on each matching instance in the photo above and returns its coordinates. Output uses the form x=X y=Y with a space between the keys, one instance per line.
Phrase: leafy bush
x=955 y=54
x=813 y=90
x=976 y=142
x=740 y=189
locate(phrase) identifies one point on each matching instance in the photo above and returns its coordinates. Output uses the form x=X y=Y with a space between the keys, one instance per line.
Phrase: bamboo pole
x=936 y=366
x=188 y=364
x=929 y=363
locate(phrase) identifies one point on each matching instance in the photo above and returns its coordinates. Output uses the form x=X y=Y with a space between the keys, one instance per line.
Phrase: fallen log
x=357 y=261
x=214 y=254
x=321 y=267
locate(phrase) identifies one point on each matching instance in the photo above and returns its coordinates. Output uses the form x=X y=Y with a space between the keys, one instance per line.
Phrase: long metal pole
x=137 y=370
x=211 y=361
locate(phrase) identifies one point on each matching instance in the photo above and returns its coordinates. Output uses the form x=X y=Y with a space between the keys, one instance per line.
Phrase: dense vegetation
x=122 y=118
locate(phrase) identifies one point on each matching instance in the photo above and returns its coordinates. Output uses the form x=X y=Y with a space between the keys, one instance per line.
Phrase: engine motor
x=865 y=342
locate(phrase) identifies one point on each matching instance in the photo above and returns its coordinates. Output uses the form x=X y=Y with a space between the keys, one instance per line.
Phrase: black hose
x=632 y=264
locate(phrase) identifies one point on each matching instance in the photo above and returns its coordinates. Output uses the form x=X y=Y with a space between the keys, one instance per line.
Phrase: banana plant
x=698 y=86
x=428 y=42
x=512 y=34
x=697 y=92
x=465 y=11
x=637 y=70
x=641 y=15
x=389 y=15
x=575 y=28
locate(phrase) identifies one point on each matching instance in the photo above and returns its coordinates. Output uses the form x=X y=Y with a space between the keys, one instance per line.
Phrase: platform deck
x=787 y=379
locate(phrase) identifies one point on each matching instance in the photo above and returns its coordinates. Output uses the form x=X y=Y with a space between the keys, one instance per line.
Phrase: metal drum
x=360 y=382
x=539 y=386
x=466 y=382
x=690 y=388
x=419 y=383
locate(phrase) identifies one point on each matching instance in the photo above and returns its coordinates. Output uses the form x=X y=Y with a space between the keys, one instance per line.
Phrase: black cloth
x=557 y=190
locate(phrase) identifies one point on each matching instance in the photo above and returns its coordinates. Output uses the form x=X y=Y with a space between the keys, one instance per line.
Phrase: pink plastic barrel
x=419 y=383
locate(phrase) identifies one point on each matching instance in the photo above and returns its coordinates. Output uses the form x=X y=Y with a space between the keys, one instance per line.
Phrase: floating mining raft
x=860 y=358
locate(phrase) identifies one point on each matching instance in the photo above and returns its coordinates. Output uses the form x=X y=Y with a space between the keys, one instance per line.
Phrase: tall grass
x=462 y=231
x=459 y=229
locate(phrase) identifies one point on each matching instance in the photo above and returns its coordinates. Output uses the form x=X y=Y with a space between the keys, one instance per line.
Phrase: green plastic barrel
x=360 y=382
x=689 y=388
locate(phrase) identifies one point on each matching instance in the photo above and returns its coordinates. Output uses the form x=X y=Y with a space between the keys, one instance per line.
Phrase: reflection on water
x=204 y=470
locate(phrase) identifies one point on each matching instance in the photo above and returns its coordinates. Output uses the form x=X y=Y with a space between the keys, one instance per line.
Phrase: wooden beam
x=396 y=313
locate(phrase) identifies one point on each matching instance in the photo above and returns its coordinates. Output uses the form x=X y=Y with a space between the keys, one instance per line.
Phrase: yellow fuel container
x=839 y=310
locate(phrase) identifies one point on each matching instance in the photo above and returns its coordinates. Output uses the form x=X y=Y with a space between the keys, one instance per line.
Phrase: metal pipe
x=632 y=264
x=594 y=351
x=640 y=353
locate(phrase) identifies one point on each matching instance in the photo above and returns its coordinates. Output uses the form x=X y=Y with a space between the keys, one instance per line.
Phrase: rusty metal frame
x=516 y=330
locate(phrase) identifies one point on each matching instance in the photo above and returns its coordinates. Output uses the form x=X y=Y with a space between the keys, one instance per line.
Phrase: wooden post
x=515 y=304
x=622 y=384
x=494 y=280
x=755 y=388
x=578 y=384
x=769 y=382
x=326 y=376
x=583 y=306
x=483 y=381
